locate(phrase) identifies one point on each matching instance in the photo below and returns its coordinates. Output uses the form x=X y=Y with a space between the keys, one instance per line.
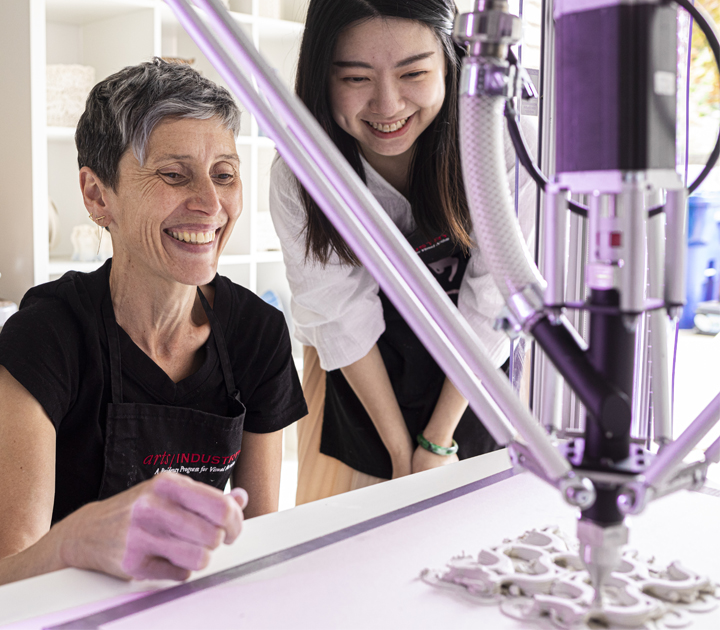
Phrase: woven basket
x=67 y=89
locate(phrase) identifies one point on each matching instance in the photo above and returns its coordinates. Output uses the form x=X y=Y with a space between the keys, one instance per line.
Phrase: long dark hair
x=436 y=191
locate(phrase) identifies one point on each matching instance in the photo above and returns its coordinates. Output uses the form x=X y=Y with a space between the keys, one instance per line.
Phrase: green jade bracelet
x=435 y=448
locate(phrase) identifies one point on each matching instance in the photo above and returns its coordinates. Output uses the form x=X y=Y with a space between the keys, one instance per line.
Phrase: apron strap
x=113 y=337
x=220 y=345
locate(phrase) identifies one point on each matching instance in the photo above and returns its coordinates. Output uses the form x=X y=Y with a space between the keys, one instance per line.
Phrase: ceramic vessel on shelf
x=68 y=86
x=53 y=225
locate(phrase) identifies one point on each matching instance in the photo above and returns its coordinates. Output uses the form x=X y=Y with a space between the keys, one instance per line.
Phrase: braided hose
x=496 y=227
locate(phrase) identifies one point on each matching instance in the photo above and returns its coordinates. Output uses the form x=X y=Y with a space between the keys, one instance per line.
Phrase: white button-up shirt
x=336 y=308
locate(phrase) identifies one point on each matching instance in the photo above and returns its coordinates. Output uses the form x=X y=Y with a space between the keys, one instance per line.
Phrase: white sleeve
x=479 y=300
x=335 y=307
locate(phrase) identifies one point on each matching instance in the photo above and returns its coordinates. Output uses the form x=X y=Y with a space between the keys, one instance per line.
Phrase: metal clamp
x=491 y=26
x=521 y=311
x=576 y=489
x=489 y=77
x=529 y=91
x=636 y=494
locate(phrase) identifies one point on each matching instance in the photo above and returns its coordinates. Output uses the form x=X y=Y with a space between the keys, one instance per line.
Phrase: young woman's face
x=387 y=83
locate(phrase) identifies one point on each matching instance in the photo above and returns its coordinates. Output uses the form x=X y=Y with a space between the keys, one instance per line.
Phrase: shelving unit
x=109 y=35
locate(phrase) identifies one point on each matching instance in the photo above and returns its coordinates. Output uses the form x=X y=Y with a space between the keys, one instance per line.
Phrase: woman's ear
x=95 y=196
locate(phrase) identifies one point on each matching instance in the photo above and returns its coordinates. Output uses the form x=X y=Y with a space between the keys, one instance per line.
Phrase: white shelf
x=68 y=133
x=246 y=259
x=244 y=141
x=269 y=257
x=267 y=26
x=59 y=266
x=80 y=12
x=273 y=29
x=61 y=133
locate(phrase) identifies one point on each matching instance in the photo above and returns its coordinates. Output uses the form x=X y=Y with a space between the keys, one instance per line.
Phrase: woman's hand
x=425 y=460
x=163 y=528
x=369 y=380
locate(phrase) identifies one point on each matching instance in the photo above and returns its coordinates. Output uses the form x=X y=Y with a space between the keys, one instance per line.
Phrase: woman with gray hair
x=153 y=363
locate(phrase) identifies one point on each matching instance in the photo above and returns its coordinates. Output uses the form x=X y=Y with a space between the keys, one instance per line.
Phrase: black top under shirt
x=56 y=347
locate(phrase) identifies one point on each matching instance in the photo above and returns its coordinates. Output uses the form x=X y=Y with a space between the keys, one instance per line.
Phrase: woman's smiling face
x=172 y=216
x=387 y=83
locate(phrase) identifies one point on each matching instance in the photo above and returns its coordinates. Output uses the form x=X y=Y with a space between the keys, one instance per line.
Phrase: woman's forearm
x=447 y=413
x=42 y=557
x=258 y=471
x=369 y=380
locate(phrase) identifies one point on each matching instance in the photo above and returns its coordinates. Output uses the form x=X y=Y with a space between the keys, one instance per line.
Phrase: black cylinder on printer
x=615 y=78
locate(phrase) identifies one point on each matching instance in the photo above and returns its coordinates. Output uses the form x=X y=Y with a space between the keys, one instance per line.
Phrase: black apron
x=348 y=433
x=143 y=440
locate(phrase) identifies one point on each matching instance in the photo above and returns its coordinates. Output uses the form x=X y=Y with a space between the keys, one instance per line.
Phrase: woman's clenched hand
x=163 y=528
x=425 y=460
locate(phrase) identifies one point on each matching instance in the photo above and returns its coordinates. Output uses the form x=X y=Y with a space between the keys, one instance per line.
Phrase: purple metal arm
x=367 y=229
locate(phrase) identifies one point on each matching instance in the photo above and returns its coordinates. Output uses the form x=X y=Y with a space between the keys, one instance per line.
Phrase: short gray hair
x=123 y=110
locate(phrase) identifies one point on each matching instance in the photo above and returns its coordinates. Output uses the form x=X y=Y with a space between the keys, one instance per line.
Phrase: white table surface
x=71 y=588
x=370 y=580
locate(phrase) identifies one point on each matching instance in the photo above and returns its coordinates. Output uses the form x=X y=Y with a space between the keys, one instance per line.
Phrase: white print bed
x=371 y=580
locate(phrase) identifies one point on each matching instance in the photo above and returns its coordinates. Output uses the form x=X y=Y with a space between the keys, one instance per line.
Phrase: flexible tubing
x=496 y=228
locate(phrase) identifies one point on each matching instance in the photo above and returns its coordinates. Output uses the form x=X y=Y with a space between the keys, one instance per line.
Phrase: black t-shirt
x=56 y=347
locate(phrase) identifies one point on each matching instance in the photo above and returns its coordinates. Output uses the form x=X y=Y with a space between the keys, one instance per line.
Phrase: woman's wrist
x=41 y=557
x=65 y=541
x=437 y=449
x=438 y=435
x=401 y=449
x=446 y=416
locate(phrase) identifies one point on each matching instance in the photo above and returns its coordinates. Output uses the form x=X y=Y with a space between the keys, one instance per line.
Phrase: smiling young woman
x=381 y=77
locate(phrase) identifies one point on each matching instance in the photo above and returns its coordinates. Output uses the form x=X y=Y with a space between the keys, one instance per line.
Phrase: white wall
x=22 y=180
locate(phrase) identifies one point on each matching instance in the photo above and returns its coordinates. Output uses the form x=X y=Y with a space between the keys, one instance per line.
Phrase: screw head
x=580 y=492
x=626 y=500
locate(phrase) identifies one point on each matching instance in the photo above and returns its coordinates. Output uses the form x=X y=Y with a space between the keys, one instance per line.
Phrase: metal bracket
x=493 y=26
x=489 y=77
x=576 y=489
x=521 y=311
x=635 y=495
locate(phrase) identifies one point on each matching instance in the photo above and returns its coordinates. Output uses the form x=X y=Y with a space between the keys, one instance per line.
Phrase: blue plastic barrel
x=703 y=259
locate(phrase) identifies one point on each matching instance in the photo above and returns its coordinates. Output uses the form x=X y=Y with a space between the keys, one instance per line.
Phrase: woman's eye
x=224 y=177
x=414 y=75
x=172 y=175
x=354 y=79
